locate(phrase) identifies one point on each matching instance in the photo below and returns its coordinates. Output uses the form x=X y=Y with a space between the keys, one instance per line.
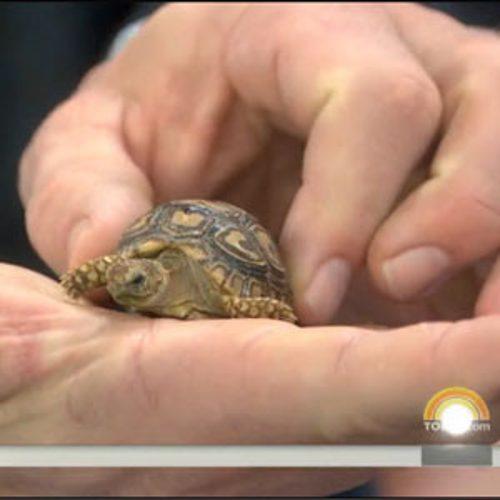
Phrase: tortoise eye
x=138 y=280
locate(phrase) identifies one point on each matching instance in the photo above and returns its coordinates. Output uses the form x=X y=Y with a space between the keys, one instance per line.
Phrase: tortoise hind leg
x=259 y=307
x=88 y=276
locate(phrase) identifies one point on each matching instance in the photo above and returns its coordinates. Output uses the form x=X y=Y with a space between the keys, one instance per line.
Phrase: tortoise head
x=138 y=283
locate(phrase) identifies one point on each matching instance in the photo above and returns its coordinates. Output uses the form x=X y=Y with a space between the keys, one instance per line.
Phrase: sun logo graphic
x=456 y=410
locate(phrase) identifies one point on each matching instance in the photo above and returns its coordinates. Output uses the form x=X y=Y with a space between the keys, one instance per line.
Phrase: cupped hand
x=75 y=374
x=317 y=118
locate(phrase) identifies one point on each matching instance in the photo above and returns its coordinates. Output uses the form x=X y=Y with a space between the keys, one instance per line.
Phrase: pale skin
x=313 y=117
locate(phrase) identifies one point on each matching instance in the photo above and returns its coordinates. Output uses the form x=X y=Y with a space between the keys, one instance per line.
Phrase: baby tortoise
x=192 y=259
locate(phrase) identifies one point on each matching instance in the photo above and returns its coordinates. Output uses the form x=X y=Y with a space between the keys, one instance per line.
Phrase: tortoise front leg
x=258 y=307
x=88 y=276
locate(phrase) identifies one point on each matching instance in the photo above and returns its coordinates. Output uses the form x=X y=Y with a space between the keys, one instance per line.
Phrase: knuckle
x=47 y=142
x=98 y=108
x=488 y=204
x=35 y=151
x=411 y=95
x=52 y=131
x=477 y=194
x=58 y=139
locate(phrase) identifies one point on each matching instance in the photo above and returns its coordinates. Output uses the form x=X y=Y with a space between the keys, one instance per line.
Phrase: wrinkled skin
x=273 y=134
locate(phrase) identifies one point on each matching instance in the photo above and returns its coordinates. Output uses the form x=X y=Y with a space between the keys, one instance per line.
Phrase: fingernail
x=415 y=271
x=327 y=288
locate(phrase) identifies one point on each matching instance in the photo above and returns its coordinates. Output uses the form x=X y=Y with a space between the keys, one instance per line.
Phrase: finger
x=142 y=116
x=78 y=183
x=453 y=218
x=272 y=383
x=488 y=301
x=369 y=116
x=186 y=126
x=234 y=381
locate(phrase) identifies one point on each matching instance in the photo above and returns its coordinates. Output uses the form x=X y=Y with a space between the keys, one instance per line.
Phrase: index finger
x=86 y=175
x=78 y=182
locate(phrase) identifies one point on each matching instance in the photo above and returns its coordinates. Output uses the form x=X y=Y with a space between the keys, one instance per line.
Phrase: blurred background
x=45 y=48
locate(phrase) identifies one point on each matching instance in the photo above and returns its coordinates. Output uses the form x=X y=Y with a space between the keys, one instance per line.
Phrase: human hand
x=219 y=100
x=75 y=374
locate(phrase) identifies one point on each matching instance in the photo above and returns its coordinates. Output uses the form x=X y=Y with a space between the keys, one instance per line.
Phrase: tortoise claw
x=88 y=276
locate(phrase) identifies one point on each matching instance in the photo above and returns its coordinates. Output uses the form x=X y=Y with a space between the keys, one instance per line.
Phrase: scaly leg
x=90 y=275
x=258 y=307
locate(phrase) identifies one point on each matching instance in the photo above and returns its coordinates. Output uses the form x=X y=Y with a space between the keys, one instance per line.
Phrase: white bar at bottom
x=210 y=456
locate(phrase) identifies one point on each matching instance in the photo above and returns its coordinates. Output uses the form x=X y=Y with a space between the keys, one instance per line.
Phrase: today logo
x=456 y=410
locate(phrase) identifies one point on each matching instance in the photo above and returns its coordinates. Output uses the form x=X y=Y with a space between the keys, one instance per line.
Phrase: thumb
x=78 y=183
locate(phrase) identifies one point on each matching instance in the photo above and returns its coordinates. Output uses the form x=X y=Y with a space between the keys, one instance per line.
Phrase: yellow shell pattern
x=236 y=251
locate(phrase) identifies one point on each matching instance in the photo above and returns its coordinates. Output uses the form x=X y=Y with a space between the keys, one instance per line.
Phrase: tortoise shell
x=233 y=248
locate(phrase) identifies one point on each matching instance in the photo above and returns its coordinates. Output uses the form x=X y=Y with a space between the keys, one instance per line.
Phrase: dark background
x=45 y=48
